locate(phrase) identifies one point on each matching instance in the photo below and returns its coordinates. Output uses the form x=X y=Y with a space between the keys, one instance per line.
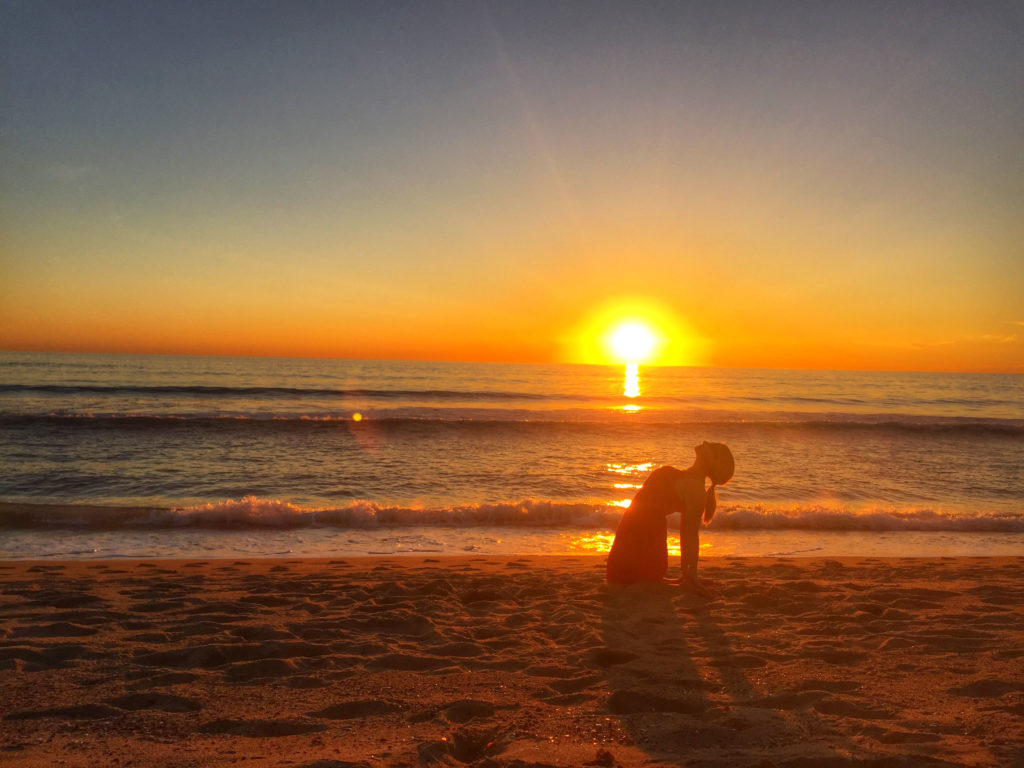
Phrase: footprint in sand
x=907 y=737
x=267 y=601
x=628 y=702
x=567 y=700
x=407 y=662
x=473 y=596
x=602 y=658
x=788 y=701
x=158 y=606
x=550 y=671
x=739 y=661
x=77 y=712
x=200 y=629
x=837 y=656
x=306 y=683
x=833 y=686
x=465 y=710
x=168 y=678
x=58 y=629
x=262 y=728
x=844 y=708
x=48 y=657
x=575 y=684
x=350 y=710
x=162 y=701
x=66 y=600
x=260 y=670
x=462 y=650
x=987 y=689
x=263 y=632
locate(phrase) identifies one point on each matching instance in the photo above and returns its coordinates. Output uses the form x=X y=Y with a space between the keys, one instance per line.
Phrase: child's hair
x=720 y=471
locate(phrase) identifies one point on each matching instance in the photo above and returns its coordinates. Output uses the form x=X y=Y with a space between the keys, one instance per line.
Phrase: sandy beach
x=522 y=661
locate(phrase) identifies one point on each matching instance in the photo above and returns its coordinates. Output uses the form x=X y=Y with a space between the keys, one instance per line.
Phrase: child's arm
x=691 y=492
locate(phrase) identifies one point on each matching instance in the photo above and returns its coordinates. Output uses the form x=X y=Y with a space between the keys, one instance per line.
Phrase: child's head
x=718 y=465
x=718 y=462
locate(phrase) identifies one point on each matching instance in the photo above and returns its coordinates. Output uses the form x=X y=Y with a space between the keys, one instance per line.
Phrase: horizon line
x=962 y=372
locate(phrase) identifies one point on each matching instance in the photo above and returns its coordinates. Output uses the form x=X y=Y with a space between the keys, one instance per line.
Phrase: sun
x=632 y=342
x=634 y=330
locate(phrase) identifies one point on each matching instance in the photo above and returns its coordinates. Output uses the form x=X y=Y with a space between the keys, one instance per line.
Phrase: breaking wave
x=252 y=513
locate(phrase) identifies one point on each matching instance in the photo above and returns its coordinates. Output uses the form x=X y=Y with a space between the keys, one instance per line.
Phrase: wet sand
x=521 y=661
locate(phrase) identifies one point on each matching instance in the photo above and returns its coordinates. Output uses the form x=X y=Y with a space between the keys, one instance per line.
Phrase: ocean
x=106 y=456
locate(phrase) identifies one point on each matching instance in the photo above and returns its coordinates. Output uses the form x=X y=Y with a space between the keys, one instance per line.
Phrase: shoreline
x=509 y=661
x=482 y=558
x=120 y=546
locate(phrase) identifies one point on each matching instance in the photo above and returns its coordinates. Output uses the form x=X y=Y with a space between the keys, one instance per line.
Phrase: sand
x=504 y=661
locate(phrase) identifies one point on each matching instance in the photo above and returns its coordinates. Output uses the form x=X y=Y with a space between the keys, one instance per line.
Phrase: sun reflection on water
x=596 y=542
x=630 y=469
x=600 y=542
x=631 y=385
x=630 y=389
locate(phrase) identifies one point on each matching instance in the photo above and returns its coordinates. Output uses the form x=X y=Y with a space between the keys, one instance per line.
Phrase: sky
x=767 y=184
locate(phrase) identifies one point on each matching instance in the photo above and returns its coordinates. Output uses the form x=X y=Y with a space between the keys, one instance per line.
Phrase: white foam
x=272 y=513
x=839 y=518
x=254 y=513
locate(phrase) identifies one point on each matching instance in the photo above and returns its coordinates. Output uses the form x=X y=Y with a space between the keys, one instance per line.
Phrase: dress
x=640 y=552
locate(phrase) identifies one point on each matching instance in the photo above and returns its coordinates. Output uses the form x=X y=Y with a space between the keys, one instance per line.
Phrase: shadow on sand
x=690 y=692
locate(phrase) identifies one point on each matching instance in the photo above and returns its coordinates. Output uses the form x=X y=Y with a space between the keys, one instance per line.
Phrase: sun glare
x=632 y=342
x=634 y=330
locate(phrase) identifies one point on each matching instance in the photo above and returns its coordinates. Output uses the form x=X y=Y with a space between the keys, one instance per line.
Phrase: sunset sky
x=836 y=185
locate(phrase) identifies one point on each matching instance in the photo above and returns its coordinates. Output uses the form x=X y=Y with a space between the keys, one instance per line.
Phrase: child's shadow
x=682 y=691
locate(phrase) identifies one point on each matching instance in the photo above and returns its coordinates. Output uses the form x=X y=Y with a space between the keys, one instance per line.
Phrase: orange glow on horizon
x=755 y=338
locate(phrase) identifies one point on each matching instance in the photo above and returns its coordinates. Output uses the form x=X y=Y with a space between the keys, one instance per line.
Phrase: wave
x=985 y=400
x=269 y=392
x=396 y=418
x=253 y=513
x=256 y=513
x=830 y=518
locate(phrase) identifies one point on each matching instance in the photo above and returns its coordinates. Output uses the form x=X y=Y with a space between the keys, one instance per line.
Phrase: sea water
x=141 y=456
